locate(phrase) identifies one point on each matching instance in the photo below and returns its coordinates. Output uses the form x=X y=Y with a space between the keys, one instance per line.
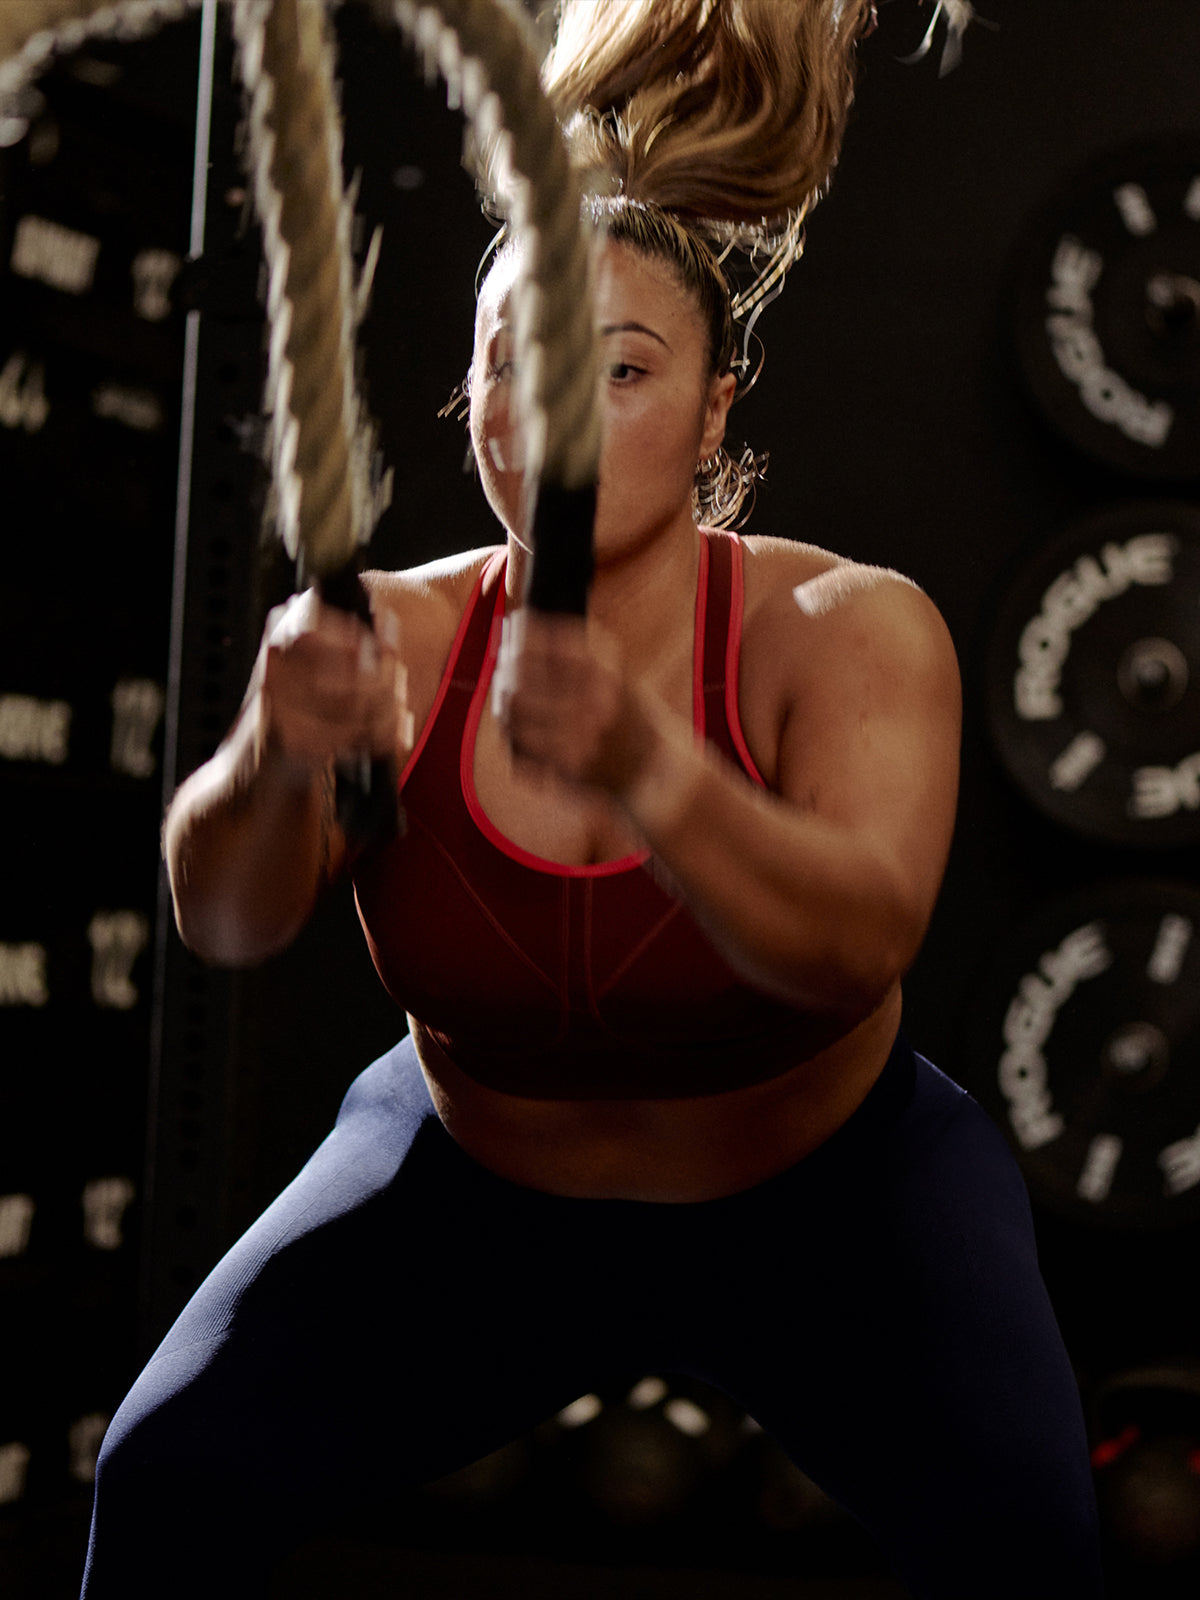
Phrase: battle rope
x=321 y=443
x=485 y=51
x=323 y=500
x=33 y=33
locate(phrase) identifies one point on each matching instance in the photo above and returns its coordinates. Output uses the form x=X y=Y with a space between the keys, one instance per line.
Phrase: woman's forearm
x=251 y=837
x=807 y=910
x=245 y=840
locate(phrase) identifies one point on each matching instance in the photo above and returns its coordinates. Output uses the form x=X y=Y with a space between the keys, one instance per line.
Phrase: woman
x=662 y=875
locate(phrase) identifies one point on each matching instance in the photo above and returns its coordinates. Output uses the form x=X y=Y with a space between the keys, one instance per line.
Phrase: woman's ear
x=720 y=397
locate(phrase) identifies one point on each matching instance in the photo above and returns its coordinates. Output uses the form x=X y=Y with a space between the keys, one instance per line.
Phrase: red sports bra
x=553 y=981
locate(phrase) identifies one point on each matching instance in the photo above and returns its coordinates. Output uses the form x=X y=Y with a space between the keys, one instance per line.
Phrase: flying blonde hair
x=725 y=111
x=723 y=118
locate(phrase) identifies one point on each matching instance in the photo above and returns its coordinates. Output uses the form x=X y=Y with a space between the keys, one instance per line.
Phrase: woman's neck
x=643 y=597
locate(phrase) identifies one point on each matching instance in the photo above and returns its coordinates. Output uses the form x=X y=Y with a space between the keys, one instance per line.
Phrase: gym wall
x=149 y=1107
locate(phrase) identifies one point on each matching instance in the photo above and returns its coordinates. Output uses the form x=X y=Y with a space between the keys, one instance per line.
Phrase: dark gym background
x=180 y=1100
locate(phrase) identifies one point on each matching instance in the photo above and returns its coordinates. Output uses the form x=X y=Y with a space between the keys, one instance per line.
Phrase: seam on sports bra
x=733 y=656
x=595 y=994
x=643 y=944
x=451 y=664
x=554 y=986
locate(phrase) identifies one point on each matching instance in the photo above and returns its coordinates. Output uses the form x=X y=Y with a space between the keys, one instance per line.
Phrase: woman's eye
x=499 y=370
x=624 y=372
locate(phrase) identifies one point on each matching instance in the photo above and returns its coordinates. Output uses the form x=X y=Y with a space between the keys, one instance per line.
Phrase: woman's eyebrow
x=634 y=327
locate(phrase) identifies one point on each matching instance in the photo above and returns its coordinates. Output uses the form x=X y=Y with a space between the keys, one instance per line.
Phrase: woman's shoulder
x=823 y=637
x=789 y=585
x=773 y=564
x=426 y=604
x=817 y=625
x=447 y=581
x=430 y=599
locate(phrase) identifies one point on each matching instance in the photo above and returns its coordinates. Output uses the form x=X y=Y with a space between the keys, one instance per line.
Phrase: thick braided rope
x=321 y=444
x=34 y=32
x=484 y=50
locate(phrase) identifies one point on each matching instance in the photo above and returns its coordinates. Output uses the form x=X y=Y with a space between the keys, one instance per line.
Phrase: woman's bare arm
x=251 y=837
x=819 y=890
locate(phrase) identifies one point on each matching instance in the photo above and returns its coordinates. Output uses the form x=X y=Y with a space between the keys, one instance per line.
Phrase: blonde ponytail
x=729 y=111
x=704 y=132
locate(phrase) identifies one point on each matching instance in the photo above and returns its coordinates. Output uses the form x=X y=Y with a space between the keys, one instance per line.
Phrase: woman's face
x=662 y=412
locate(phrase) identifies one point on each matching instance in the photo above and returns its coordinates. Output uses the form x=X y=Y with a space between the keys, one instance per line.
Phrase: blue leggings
x=399 y=1312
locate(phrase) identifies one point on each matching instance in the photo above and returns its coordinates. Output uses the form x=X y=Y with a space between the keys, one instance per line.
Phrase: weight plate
x=1086 y=1050
x=1092 y=677
x=1106 y=311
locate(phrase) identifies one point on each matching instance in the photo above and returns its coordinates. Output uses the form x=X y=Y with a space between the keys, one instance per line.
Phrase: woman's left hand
x=565 y=704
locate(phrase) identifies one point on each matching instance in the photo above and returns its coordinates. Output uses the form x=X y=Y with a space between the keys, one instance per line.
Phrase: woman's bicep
x=870 y=742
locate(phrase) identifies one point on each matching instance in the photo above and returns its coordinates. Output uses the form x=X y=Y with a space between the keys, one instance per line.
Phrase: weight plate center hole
x=1153 y=675
x=1136 y=1057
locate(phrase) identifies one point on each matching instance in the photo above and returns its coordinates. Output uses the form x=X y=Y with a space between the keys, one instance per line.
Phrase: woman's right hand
x=328 y=688
x=251 y=836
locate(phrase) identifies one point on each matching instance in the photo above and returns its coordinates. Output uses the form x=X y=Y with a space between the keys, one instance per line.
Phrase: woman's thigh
x=893 y=1332
x=396 y=1313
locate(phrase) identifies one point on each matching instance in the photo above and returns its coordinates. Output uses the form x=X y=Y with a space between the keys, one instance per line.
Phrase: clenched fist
x=329 y=688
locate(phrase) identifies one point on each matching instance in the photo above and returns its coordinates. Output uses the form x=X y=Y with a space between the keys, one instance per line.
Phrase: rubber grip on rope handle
x=561 y=570
x=368 y=805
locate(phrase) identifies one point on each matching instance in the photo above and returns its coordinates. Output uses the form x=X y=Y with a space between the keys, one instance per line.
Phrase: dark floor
x=357 y=1572
x=42 y=1553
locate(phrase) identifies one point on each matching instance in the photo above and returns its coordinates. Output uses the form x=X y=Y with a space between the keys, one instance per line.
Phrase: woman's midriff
x=674 y=1151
